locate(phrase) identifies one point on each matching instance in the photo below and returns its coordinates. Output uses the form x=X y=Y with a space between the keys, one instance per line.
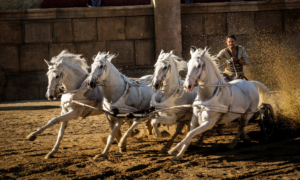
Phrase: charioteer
x=237 y=56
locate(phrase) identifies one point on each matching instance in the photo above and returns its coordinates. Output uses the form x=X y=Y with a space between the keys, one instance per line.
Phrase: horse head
x=161 y=69
x=98 y=69
x=195 y=68
x=55 y=76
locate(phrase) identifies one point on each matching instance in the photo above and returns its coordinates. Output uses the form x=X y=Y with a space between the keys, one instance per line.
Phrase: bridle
x=97 y=77
x=58 y=85
x=197 y=79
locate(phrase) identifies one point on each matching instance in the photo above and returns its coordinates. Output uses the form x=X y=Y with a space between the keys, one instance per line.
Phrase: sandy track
x=275 y=158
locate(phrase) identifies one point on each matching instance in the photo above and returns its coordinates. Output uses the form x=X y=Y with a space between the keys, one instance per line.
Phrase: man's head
x=231 y=41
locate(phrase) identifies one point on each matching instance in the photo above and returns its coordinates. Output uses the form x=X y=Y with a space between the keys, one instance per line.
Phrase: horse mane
x=109 y=58
x=211 y=58
x=74 y=59
x=179 y=62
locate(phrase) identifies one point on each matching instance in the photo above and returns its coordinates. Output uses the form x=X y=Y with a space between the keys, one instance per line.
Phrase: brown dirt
x=275 y=158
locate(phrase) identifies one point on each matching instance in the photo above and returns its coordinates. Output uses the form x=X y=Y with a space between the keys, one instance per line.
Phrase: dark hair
x=231 y=36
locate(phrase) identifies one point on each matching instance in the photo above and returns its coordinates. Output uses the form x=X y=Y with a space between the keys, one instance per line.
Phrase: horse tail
x=263 y=91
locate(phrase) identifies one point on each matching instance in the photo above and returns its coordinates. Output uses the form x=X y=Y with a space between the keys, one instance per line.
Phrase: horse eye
x=165 y=67
x=199 y=65
x=101 y=66
x=57 y=77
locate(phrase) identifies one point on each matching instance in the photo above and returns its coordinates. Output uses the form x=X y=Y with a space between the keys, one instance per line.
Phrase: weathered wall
x=19 y=4
x=269 y=30
x=27 y=37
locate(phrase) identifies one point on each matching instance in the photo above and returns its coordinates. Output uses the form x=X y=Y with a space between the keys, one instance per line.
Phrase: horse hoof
x=175 y=158
x=99 y=156
x=31 y=137
x=122 y=150
x=173 y=151
x=49 y=156
x=163 y=150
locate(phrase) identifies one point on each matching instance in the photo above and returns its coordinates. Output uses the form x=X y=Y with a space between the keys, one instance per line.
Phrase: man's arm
x=219 y=57
x=245 y=59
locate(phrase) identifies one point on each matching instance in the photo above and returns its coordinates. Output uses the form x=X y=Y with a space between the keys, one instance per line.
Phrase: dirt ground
x=276 y=158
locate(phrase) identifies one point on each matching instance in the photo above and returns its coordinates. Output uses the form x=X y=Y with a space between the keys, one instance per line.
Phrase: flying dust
x=275 y=62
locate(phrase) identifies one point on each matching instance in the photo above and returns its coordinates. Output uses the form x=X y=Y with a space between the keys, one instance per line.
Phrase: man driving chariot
x=237 y=57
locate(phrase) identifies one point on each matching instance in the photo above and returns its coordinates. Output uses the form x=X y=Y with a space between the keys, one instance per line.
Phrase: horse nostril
x=190 y=86
x=51 y=97
x=156 y=86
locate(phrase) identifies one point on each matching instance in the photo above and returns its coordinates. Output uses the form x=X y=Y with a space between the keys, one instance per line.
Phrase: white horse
x=121 y=94
x=218 y=102
x=167 y=70
x=69 y=70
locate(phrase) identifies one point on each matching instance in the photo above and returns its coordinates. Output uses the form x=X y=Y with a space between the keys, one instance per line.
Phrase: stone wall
x=27 y=37
x=270 y=32
x=19 y=4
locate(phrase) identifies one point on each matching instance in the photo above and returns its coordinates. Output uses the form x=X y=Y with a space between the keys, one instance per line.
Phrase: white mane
x=210 y=58
x=108 y=57
x=74 y=59
x=179 y=62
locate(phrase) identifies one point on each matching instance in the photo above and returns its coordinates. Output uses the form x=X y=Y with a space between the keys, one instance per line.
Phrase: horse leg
x=66 y=117
x=111 y=124
x=241 y=130
x=171 y=141
x=130 y=122
x=59 y=138
x=164 y=120
x=122 y=143
x=111 y=137
x=210 y=118
x=149 y=127
x=194 y=122
x=200 y=140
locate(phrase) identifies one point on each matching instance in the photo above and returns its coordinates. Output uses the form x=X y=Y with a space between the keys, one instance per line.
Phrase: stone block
x=192 y=24
x=240 y=23
x=140 y=27
x=110 y=29
x=167 y=19
x=32 y=57
x=268 y=22
x=168 y=44
x=89 y=50
x=62 y=30
x=85 y=30
x=189 y=41
x=145 y=52
x=55 y=49
x=38 y=31
x=215 y=24
x=19 y=92
x=11 y=32
x=292 y=21
x=9 y=59
x=125 y=51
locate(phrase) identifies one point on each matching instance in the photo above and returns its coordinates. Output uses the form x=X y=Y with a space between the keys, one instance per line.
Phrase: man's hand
x=234 y=60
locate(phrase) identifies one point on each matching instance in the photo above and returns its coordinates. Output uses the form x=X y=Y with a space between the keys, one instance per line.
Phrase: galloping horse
x=120 y=93
x=218 y=102
x=69 y=70
x=170 y=94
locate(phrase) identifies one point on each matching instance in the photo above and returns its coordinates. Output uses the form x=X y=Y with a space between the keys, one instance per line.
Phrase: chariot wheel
x=267 y=120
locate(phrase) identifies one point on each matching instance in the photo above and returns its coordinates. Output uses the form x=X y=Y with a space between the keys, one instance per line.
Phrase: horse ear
x=161 y=52
x=48 y=62
x=192 y=51
x=171 y=52
x=99 y=53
